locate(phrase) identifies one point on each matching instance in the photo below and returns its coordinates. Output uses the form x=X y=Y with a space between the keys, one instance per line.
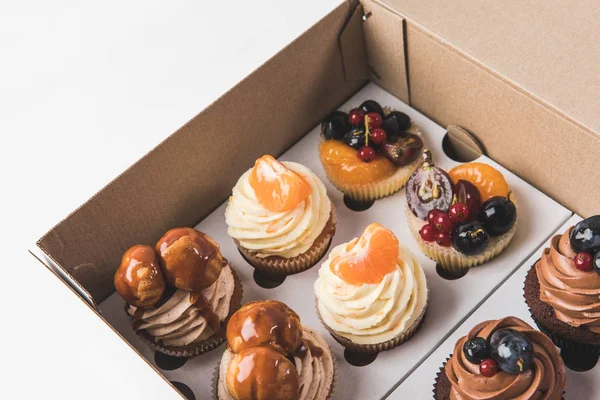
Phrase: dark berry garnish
x=431 y=216
x=335 y=125
x=356 y=116
x=371 y=106
x=378 y=136
x=468 y=194
x=586 y=235
x=442 y=222
x=476 y=350
x=427 y=233
x=443 y=239
x=498 y=214
x=395 y=124
x=356 y=138
x=366 y=153
x=512 y=350
x=403 y=149
x=429 y=187
x=469 y=237
x=458 y=212
x=583 y=261
x=596 y=262
x=488 y=368
x=374 y=120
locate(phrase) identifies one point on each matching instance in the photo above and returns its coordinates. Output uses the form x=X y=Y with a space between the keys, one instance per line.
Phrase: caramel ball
x=261 y=373
x=270 y=323
x=190 y=260
x=139 y=279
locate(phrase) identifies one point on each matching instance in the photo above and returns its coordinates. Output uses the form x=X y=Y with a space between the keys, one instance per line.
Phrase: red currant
x=366 y=153
x=375 y=120
x=431 y=215
x=443 y=239
x=356 y=116
x=442 y=222
x=488 y=368
x=583 y=261
x=427 y=233
x=378 y=135
x=458 y=212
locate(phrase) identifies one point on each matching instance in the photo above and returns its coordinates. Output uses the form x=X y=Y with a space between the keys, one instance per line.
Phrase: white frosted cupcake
x=280 y=217
x=371 y=292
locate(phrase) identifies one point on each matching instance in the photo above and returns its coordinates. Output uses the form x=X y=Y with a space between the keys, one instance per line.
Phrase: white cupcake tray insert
x=506 y=301
x=450 y=302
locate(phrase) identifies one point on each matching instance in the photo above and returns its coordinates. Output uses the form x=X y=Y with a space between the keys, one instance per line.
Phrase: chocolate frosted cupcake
x=272 y=356
x=562 y=289
x=185 y=316
x=371 y=292
x=280 y=217
x=502 y=359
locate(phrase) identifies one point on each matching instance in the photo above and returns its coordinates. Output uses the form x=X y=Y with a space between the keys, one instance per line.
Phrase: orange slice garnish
x=277 y=187
x=369 y=258
x=486 y=178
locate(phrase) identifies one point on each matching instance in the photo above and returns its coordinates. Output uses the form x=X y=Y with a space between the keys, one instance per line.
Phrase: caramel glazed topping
x=266 y=335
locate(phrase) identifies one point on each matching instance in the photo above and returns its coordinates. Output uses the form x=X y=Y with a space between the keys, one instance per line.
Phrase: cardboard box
x=517 y=76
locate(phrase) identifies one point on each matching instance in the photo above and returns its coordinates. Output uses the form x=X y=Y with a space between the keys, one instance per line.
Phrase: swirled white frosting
x=372 y=313
x=286 y=234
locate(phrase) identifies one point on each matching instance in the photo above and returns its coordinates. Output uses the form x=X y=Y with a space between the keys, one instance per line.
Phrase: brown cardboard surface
x=193 y=171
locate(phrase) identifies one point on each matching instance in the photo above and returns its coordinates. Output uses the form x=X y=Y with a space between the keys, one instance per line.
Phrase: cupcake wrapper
x=376 y=347
x=211 y=343
x=566 y=344
x=378 y=189
x=275 y=265
x=449 y=258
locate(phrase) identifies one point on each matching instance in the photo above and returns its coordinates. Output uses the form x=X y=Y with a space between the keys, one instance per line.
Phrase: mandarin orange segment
x=277 y=187
x=341 y=163
x=369 y=258
x=486 y=178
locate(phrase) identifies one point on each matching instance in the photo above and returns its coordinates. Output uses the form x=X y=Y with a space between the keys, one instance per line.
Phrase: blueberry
x=596 y=262
x=395 y=124
x=585 y=237
x=371 y=106
x=476 y=350
x=356 y=137
x=335 y=125
x=498 y=214
x=512 y=350
x=469 y=237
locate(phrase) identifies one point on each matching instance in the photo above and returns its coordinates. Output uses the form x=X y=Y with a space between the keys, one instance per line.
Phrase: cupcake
x=280 y=217
x=461 y=218
x=368 y=153
x=371 y=292
x=502 y=359
x=180 y=294
x=271 y=355
x=562 y=289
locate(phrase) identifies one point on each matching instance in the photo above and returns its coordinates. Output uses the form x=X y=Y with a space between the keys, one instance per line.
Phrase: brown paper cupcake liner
x=449 y=258
x=276 y=265
x=211 y=343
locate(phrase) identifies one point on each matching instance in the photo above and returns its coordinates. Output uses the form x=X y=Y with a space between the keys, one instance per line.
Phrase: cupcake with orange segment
x=461 y=218
x=280 y=217
x=371 y=292
x=368 y=153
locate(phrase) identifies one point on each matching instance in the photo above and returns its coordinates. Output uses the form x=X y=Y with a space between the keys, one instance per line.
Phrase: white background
x=87 y=88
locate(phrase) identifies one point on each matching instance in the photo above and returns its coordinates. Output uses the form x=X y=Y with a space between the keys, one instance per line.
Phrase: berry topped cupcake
x=461 y=218
x=280 y=217
x=562 y=290
x=371 y=292
x=502 y=359
x=368 y=153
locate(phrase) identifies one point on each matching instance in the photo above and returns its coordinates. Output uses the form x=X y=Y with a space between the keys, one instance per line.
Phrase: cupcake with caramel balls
x=180 y=293
x=272 y=356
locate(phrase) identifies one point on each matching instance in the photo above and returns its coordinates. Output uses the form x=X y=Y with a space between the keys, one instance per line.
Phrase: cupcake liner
x=449 y=258
x=276 y=265
x=211 y=343
x=377 y=189
x=376 y=347
x=215 y=382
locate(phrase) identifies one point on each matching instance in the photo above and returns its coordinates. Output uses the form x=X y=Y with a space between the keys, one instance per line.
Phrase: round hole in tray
x=167 y=362
x=359 y=359
x=184 y=389
x=356 y=205
x=461 y=145
x=579 y=361
x=267 y=281
x=448 y=275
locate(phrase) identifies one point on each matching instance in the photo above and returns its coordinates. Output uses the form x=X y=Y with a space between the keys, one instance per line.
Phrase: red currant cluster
x=440 y=224
x=374 y=132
